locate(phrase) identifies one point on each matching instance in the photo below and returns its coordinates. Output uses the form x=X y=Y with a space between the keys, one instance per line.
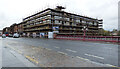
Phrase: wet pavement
x=0 y=52
x=65 y=53
x=10 y=58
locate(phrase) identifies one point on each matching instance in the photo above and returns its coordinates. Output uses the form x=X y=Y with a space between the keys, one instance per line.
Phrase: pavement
x=0 y=52
x=74 y=53
x=10 y=58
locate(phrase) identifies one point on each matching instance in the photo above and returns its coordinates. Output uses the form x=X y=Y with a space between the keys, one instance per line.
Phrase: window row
x=40 y=18
x=46 y=12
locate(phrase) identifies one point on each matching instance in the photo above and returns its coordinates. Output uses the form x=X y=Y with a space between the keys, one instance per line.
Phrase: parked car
x=7 y=34
x=16 y=35
x=10 y=35
x=0 y=34
x=3 y=36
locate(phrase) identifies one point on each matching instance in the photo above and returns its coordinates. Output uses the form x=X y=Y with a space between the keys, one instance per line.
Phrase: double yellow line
x=31 y=59
x=28 y=57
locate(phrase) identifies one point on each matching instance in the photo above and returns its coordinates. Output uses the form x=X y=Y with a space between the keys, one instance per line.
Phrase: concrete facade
x=57 y=20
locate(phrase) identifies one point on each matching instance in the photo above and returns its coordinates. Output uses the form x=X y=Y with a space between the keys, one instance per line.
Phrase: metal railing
x=89 y=38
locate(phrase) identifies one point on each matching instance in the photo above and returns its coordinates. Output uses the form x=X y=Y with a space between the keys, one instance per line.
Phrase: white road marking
x=96 y=62
x=62 y=52
x=94 y=56
x=71 y=50
x=57 y=47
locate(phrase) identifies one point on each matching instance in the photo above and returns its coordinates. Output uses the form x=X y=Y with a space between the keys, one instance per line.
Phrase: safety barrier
x=89 y=38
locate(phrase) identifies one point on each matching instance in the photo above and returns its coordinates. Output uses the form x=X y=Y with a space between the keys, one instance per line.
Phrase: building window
x=48 y=16
x=55 y=13
x=74 y=24
x=78 y=21
x=57 y=22
x=44 y=21
x=95 y=23
x=56 y=17
x=66 y=19
x=66 y=23
x=49 y=21
x=84 y=22
x=90 y=23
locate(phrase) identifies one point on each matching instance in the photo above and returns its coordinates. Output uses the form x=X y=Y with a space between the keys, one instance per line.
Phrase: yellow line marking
x=28 y=57
x=112 y=65
x=82 y=58
x=31 y=59
x=42 y=65
x=19 y=52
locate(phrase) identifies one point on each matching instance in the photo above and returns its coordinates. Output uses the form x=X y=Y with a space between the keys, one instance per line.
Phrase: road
x=105 y=53
x=0 y=52
x=10 y=58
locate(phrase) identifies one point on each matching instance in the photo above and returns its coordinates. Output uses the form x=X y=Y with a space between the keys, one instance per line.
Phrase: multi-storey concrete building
x=57 y=20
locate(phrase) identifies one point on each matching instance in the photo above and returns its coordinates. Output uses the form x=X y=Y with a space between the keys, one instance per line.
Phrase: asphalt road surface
x=105 y=53
x=0 y=52
x=10 y=58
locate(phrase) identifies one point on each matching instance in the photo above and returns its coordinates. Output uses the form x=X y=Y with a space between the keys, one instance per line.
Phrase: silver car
x=3 y=36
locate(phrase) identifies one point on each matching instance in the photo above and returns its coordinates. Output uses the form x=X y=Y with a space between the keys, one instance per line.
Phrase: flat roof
x=61 y=12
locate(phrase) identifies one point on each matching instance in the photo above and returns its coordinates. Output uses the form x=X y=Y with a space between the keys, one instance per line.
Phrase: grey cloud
x=15 y=10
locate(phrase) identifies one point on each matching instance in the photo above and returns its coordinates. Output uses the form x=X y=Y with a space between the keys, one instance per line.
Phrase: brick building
x=13 y=28
x=20 y=28
x=6 y=30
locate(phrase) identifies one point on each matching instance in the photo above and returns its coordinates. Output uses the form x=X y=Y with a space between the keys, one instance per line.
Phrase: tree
x=119 y=33
x=105 y=32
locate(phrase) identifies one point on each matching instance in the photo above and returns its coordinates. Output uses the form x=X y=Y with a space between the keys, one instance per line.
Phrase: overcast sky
x=13 y=11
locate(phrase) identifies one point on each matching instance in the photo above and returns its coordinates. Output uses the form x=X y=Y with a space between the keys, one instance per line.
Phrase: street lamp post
x=84 y=30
